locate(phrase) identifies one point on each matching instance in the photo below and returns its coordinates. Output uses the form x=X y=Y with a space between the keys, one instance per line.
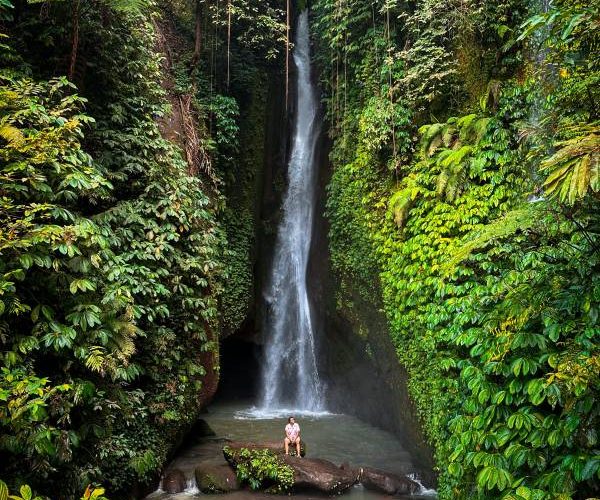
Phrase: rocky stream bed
x=343 y=456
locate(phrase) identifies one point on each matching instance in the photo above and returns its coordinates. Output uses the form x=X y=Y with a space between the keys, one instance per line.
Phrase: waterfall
x=290 y=376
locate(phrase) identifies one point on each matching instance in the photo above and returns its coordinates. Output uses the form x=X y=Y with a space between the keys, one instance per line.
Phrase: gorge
x=379 y=216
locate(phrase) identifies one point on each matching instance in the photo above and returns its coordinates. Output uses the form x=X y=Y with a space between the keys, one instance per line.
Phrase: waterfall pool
x=339 y=438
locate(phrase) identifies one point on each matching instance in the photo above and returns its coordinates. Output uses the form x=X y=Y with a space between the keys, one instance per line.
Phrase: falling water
x=290 y=376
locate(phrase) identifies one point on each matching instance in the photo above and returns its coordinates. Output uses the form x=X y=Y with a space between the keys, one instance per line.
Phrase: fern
x=449 y=135
x=520 y=219
x=442 y=182
x=431 y=137
x=11 y=134
x=455 y=157
x=472 y=128
x=465 y=121
x=452 y=163
x=131 y=6
x=95 y=359
x=573 y=169
x=402 y=201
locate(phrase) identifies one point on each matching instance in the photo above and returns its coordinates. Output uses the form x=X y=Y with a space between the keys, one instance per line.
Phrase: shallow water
x=339 y=438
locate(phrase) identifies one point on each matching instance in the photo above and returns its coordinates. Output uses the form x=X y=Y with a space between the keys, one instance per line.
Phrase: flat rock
x=216 y=477
x=276 y=447
x=320 y=475
x=387 y=482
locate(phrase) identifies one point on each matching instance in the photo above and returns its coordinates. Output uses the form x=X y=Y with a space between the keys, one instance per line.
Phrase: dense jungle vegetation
x=113 y=239
x=464 y=201
x=466 y=177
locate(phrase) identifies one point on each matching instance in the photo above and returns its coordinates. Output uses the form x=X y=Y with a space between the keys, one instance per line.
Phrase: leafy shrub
x=261 y=469
x=489 y=283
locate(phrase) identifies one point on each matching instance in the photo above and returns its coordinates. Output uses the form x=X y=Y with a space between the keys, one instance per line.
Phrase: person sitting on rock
x=292 y=436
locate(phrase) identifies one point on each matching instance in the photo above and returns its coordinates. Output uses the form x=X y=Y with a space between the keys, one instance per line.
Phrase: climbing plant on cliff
x=485 y=236
x=110 y=257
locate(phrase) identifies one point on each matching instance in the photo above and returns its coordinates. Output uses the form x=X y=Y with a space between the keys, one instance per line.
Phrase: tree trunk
x=197 y=37
x=74 y=41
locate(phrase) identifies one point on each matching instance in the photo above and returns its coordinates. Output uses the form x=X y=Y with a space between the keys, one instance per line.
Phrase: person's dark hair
x=290 y=419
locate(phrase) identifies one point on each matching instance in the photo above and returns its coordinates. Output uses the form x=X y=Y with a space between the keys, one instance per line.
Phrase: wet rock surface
x=386 y=482
x=276 y=447
x=174 y=481
x=320 y=475
x=214 y=476
x=316 y=474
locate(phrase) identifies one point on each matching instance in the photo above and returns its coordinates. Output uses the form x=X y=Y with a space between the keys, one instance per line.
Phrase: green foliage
x=109 y=289
x=261 y=469
x=259 y=26
x=490 y=289
x=574 y=169
x=225 y=111
x=134 y=6
x=93 y=493
x=25 y=493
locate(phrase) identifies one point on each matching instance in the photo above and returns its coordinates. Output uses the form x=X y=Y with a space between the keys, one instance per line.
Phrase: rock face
x=320 y=475
x=174 y=481
x=200 y=429
x=216 y=477
x=386 y=482
x=275 y=446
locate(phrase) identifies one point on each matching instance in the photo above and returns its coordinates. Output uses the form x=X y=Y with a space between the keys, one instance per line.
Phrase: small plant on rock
x=261 y=469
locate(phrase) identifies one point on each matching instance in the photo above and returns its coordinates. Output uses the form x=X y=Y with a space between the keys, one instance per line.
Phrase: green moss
x=243 y=191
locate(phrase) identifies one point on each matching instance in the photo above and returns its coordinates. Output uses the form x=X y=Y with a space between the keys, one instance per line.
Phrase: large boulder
x=216 y=477
x=276 y=447
x=386 y=482
x=174 y=481
x=320 y=475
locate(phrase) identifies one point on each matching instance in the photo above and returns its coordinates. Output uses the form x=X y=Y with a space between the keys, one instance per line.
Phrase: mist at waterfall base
x=290 y=378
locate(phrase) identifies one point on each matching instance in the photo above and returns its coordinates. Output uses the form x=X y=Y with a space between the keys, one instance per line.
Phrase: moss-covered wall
x=253 y=199
x=357 y=358
x=241 y=218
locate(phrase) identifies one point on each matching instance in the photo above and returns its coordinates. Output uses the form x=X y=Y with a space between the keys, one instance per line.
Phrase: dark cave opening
x=240 y=370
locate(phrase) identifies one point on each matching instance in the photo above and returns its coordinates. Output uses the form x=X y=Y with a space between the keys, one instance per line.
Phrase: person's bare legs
x=298 y=447
x=286 y=442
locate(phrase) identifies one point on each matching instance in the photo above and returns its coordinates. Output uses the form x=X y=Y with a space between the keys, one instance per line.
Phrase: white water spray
x=290 y=376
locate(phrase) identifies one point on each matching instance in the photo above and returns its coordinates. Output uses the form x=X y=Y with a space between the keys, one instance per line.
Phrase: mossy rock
x=216 y=477
x=261 y=468
x=174 y=481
